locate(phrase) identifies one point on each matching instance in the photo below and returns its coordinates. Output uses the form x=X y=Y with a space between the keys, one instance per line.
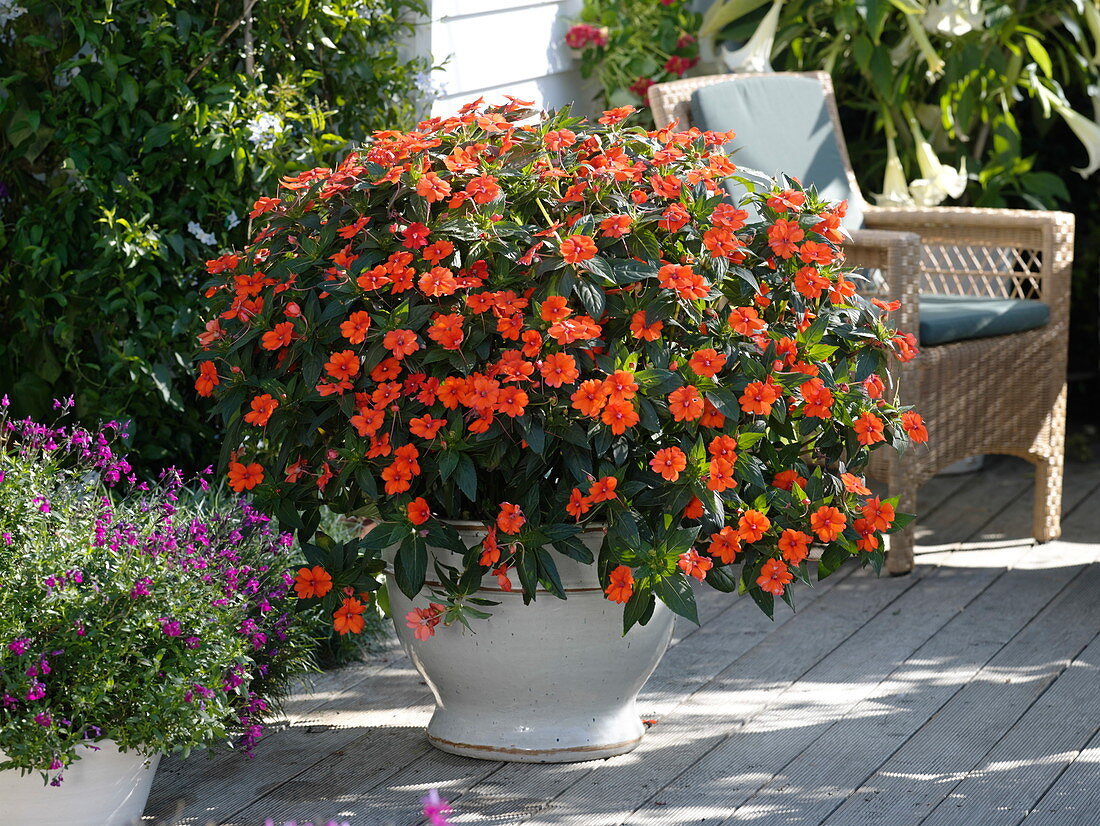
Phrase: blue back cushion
x=947 y=318
x=783 y=126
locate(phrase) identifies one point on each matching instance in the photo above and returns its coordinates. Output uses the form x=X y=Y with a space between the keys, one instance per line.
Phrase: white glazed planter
x=550 y=682
x=103 y=788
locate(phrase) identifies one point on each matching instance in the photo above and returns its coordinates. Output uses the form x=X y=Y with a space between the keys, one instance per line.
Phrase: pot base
x=576 y=754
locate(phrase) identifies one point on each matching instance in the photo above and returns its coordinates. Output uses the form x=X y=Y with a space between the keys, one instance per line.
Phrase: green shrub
x=129 y=133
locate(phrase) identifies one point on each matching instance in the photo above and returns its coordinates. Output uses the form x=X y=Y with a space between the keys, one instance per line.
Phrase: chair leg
x=1047 y=523
x=900 y=544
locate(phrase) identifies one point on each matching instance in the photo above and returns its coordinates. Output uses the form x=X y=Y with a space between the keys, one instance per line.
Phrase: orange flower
x=818 y=399
x=707 y=362
x=720 y=477
x=312 y=582
x=356 y=327
x=874 y=386
x=208 y=379
x=490 y=549
x=590 y=397
x=645 y=332
x=559 y=139
x=620 y=386
x=424 y=620
x=913 y=424
x=616 y=226
x=694 y=509
x=723 y=447
x=725 y=545
x=343 y=366
x=511 y=401
x=432 y=188
x=578 y=505
x=868 y=428
x=621 y=586
x=674 y=218
x=774 y=577
x=555 y=308
x=438 y=281
x=425 y=426
x=446 y=330
x=879 y=514
x=783 y=237
x=418 y=511
x=786 y=479
x=401 y=343
x=245 y=477
x=558 y=369
x=854 y=484
x=795 y=545
x=262 y=408
x=746 y=321
x=828 y=523
x=349 y=617
x=685 y=403
x=483 y=189
x=603 y=490
x=810 y=282
x=692 y=564
x=669 y=462
x=578 y=248
x=759 y=397
x=279 y=336
x=752 y=526
x=510 y=519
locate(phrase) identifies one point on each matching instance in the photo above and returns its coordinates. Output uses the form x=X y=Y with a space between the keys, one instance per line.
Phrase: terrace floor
x=966 y=693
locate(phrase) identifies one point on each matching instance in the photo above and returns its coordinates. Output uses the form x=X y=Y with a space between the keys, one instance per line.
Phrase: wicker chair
x=1001 y=394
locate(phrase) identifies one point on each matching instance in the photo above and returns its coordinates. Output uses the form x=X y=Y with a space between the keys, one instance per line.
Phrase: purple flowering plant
x=154 y=615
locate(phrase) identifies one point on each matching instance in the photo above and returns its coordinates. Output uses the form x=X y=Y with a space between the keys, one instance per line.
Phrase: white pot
x=550 y=682
x=103 y=788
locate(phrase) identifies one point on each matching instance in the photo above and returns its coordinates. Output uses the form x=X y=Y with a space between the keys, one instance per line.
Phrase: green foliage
x=132 y=133
x=629 y=45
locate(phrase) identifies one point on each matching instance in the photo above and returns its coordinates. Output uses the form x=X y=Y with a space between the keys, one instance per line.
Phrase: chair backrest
x=786 y=122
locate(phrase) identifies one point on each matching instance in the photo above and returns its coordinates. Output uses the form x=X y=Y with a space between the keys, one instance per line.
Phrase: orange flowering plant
x=539 y=323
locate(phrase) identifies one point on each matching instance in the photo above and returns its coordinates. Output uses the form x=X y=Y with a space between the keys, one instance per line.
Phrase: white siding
x=498 y=47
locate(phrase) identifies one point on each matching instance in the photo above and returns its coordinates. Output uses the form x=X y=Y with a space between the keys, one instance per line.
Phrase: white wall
x=498 y=47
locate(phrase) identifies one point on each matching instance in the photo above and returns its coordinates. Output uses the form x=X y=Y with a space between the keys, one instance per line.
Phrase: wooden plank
x=1074 y=799
x=905 y=788
x=1029 y=759
x=388 y=801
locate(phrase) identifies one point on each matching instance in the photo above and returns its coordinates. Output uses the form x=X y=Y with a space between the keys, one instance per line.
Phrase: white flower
x=938 y=181
x=265 y=129
x=205 y=237
x=756 y=55
x=954 y=18
x=1092 y=20
x=231 y=220
x=1087 y=131
x=9 y=12
x=931 y=57
x=895 y=192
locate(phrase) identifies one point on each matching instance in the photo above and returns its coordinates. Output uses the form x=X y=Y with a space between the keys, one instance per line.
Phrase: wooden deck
x=966 y=693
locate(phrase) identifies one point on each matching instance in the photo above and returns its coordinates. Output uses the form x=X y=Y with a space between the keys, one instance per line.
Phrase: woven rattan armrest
x=897 y=256
x=1049 y=235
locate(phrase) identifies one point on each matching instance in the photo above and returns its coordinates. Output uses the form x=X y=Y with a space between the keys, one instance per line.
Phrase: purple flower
x=141 y=588
x=436 y=808
x=192 y=642
x=43 y=719
x=7 y=538
x=19 y=645
x=37 y=691
x=171 y=628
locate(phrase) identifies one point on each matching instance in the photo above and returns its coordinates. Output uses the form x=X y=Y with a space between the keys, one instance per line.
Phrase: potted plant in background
x=134 y=621
x=548 y=359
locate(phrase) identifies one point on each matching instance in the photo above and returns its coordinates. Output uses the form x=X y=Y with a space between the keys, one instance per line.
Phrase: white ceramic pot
x=103 y=788
x=550 y=682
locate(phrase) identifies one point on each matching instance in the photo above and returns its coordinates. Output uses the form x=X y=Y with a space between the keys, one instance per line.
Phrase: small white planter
x=550 y=682
x=103 y=788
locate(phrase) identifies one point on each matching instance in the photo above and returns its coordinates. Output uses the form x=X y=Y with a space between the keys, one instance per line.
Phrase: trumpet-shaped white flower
x=1087 y=131
x=954 y=18
x=895 y=192
x=938 y=181
x=756 y=55
x=920 y=37
x=1092 y=20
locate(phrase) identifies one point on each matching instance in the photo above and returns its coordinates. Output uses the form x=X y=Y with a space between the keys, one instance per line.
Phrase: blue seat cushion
x=947 y=318
x=783 y=127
